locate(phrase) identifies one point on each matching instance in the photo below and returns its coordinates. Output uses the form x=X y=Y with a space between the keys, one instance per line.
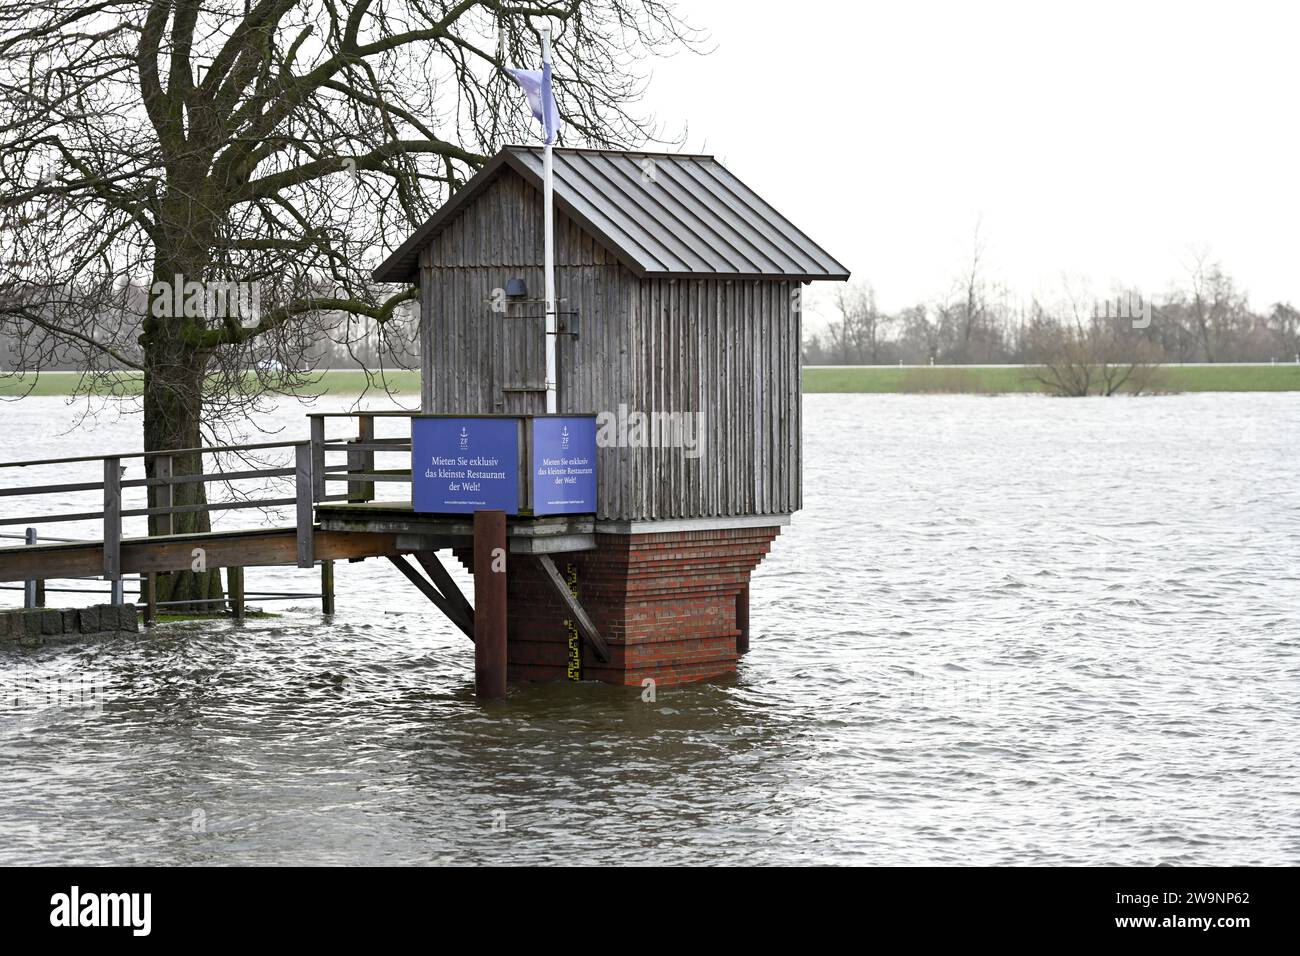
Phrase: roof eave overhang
x=754 y=276
x=403 y=266
x=404 y=263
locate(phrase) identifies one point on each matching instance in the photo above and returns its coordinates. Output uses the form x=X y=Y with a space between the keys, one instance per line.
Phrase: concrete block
x=108 y=617
x=30 y=620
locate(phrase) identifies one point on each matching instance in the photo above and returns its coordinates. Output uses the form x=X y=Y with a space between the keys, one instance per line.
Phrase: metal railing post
x=317 y=458
x=362 y=461
x=29 y=587
x=113 y=525
x=149 y=590
x=163 y=469
x=327 y=587
x=305 y=486
x=235 y=579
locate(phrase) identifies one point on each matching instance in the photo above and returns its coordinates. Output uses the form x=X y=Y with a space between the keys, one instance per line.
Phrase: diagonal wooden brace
x=443 y=582
x=585 y=627
x=454 y=613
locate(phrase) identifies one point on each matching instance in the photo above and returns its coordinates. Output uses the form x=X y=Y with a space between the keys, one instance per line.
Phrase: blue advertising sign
x=564 y=466
x=459 y=465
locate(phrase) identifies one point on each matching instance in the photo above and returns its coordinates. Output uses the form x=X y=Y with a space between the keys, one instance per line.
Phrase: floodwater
x=1011 y=630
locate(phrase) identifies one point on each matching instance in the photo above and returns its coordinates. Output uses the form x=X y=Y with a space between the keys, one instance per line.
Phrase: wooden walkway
x=253 y=547
x=347 y=525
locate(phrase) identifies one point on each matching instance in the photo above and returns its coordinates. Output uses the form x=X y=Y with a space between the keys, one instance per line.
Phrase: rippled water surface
x=1002 y=630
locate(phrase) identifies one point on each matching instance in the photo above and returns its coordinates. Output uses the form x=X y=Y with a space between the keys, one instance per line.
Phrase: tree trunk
x=173 y=390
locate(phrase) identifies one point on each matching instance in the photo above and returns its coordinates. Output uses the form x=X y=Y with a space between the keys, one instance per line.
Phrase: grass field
x=342 y=382
x=883 y=378
x=995 y=381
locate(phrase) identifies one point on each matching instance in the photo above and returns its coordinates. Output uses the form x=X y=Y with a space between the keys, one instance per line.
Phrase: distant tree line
x=333 y=340
x=1209 y=319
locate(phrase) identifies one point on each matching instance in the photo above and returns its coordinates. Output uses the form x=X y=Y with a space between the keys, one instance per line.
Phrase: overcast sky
x=1099 y=140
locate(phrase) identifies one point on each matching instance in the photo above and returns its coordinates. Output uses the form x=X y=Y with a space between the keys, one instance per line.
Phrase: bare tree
x=858 y=333
x=971 y=319
x=972 y=303
x=1088 y=354
x=277 y=145
x=1284 y=323
x=1217 y=309
x=919 y=336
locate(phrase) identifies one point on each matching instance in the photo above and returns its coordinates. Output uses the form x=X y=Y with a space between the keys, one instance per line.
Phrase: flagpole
x=548 y=213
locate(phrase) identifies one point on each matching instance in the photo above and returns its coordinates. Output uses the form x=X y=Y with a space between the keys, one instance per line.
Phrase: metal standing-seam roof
x=662 y=214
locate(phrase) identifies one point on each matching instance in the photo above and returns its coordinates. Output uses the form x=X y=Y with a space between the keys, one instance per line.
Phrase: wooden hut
x=679 y=299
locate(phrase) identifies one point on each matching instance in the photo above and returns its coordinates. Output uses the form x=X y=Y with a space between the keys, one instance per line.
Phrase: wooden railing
x=359 y=472
x=311 y=473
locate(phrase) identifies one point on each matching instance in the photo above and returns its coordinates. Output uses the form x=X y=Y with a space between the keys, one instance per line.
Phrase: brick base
x=665 y=603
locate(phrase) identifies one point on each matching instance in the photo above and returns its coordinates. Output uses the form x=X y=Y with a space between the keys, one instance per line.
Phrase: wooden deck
x=425 y=532
x=222 y=549
x=342 y=535
x=330 y=527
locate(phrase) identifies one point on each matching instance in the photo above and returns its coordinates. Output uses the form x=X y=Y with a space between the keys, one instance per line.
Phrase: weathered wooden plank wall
x=726 y=348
